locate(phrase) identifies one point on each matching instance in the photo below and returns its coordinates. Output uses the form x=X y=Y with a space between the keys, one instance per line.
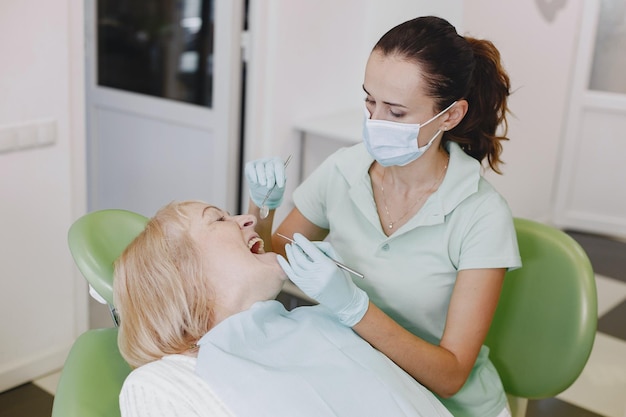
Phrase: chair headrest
x=97 y=239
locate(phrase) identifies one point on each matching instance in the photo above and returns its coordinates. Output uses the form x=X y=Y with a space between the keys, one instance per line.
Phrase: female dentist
x=410 y=209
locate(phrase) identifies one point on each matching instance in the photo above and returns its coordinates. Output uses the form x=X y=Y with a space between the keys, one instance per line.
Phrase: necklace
x=417 y=201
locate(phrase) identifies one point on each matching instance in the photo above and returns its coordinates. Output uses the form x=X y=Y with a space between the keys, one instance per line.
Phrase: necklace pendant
x=390 y=225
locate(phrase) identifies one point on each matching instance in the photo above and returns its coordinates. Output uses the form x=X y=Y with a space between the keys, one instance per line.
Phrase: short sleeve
x=489 y=240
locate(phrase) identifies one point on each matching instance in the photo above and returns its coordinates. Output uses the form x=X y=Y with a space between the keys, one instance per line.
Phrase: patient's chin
x=272 y=259
x=268 y=258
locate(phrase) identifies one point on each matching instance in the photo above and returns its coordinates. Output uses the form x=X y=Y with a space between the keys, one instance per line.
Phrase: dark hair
x=456 y=67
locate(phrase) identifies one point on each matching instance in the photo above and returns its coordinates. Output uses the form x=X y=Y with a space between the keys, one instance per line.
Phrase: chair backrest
x=94 y=371
x=92 y=377
x=97 y=239
x=545 y=324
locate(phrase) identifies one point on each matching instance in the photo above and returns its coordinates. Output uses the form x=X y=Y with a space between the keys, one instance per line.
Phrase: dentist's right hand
x=311 y=269
x=261 y=175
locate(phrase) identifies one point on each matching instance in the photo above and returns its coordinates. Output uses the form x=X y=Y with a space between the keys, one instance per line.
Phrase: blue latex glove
x=310 y=268
x=261 y=175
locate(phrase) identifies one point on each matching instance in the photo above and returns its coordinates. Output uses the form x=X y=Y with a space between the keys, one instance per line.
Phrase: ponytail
x=487 y=96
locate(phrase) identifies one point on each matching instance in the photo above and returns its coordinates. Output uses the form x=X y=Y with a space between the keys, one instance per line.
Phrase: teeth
x=254 y=241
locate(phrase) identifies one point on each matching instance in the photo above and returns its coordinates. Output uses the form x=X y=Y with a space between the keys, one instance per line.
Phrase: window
x=162 y=48
x=609 y=59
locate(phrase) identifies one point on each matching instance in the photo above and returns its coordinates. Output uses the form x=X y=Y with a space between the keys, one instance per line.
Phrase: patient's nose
x=245 y=220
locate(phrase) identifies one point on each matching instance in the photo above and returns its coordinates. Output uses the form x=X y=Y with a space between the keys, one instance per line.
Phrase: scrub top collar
x=460 y=182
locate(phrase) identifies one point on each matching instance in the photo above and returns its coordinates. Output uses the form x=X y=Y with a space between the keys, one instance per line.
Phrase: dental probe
x=339 y=264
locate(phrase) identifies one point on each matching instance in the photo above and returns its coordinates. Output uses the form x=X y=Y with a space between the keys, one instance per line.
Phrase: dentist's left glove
x=261 y=175
x=311 y=269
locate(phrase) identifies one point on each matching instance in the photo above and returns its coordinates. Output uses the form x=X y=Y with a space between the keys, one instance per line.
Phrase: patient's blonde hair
x=160 y=292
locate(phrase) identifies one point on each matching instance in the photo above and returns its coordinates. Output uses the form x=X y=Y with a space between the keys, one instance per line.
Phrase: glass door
x=590 y=190
x=159 y=48
x=163 y=102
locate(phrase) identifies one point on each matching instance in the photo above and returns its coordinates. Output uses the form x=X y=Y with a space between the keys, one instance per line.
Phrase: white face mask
x=392 y=143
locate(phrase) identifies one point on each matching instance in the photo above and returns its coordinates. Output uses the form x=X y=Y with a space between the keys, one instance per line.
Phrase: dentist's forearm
x=433 y=366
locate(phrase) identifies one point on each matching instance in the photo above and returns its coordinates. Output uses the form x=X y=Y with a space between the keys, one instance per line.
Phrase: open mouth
x=256 y=245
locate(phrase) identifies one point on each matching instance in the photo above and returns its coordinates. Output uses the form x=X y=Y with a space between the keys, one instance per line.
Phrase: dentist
x=410 y=209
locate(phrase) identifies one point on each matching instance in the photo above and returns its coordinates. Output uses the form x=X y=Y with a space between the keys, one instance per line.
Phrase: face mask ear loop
x=438 y=114
x=430 y=142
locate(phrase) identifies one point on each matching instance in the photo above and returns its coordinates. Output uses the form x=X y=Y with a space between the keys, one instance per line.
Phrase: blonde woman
x=198 y=322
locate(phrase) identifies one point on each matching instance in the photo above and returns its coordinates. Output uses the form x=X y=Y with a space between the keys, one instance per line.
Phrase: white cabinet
x=319 y=137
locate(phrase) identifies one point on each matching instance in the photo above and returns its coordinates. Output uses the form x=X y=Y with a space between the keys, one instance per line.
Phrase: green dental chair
x=94 y=370
x=96 y=240
x=92 y=377
x=540 y=338
x=545 y=324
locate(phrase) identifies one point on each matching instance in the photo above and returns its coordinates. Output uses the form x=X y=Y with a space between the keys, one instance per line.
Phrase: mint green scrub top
x=410 y=275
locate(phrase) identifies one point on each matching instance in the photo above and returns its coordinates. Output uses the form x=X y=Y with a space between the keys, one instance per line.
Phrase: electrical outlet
x=27 y=135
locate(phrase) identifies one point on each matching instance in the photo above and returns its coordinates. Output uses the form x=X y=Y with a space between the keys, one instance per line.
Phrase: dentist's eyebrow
x=386 y=102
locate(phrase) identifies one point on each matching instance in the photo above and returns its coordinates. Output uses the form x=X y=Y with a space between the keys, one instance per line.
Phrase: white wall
x=385 y=14
x=308 y=60
x=314 y=56
x=42 y=300
x=539 y=55
x=304 y=57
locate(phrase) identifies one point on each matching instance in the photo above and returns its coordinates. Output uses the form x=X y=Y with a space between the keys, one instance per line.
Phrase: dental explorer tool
x=264 y=209
x=339 y=264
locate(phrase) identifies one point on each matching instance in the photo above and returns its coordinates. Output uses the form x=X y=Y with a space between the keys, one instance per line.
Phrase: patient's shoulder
x=171 y=366
x=165 y=372
x=169 y=386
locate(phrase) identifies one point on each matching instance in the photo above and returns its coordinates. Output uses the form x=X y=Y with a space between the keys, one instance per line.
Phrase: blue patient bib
x=267 y=361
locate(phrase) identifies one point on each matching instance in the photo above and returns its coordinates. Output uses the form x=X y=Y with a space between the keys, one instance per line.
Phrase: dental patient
x=200 y=325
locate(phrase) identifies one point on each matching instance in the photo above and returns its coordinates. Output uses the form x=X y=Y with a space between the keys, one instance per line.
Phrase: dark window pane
x=609 y=60
x=162 y=48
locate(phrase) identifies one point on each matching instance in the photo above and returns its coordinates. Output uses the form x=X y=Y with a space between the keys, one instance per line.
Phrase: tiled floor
x=600 y=391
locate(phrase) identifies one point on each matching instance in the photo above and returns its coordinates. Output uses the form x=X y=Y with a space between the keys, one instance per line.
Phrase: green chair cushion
x=97 y=239
x=545 y=324
x=92 y=377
